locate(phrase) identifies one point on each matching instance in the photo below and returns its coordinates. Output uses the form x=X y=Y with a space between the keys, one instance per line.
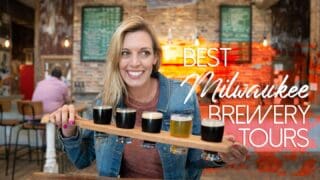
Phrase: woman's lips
x=134 y=74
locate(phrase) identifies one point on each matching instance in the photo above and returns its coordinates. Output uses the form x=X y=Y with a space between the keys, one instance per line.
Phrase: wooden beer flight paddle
x=192 y=141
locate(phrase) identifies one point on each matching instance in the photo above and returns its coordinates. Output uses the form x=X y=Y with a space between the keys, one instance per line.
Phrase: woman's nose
x=135 y=61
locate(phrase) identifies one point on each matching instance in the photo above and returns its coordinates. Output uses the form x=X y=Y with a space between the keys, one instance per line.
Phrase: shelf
x=162 y=137
x=12 y=97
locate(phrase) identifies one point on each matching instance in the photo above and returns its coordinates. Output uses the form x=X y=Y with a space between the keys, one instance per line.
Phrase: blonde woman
x=132 y=80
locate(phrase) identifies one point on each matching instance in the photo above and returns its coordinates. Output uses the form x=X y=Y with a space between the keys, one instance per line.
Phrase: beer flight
x=151 y=122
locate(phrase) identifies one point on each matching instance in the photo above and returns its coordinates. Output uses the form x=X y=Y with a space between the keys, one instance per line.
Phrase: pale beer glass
x=211 y=131
x=151 y=122
x=180 y=126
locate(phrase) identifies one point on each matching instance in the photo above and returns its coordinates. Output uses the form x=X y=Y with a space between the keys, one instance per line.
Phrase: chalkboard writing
x=98 y=25
x=235 y=32
x=235 y=23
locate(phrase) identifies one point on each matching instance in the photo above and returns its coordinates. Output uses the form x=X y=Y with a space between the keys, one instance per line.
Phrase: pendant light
x=7 y=43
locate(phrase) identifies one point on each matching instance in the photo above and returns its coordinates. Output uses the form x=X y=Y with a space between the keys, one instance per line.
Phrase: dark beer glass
x=211 y=131
x=102 y=114
x=125 y=118
x=151 y=123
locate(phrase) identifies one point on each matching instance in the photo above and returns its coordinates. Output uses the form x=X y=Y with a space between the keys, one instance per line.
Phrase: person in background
x=133 y=80
x=52 y=91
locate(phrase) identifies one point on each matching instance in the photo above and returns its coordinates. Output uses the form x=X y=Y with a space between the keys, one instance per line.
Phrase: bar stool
x=31 y=112
x=5 y=106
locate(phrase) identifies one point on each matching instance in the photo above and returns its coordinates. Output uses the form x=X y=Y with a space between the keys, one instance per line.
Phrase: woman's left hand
x=236 y=155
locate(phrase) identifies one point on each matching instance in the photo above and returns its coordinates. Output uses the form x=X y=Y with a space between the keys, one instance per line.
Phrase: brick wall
x=314 y=66
x=183 y=20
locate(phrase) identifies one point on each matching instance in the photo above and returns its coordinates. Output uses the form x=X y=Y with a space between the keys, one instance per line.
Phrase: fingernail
x=65 y=126
x=71 y=121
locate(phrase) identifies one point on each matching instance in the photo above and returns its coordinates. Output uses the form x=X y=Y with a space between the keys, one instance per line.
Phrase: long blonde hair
x=114 y=86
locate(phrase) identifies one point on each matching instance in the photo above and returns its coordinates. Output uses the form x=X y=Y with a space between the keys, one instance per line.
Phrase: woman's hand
x=236 y=155
x=64 y=118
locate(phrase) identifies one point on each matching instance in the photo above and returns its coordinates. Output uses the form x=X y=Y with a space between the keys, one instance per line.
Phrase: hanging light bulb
x=66 y=42
x=169 y=36
x=265 y=41
x=196 y=41
x=7 y=39
x=7 y=42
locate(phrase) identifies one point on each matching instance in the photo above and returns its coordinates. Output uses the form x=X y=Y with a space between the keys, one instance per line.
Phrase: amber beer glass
x=180 y=126
x=211 y=131
x=151 y=123
x=125 y=118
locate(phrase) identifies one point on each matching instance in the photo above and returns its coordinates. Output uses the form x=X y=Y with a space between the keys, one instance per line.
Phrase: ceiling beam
x=19 y=13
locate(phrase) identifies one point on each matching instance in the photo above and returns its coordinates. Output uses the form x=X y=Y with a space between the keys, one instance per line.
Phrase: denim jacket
x=88 y=146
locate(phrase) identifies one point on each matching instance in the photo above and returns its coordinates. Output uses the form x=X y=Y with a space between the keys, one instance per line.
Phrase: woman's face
x=137 y=59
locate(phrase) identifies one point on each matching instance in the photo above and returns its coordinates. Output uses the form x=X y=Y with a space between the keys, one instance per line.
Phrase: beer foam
x=151 y=115
x=181 y=117
x=102 y=107
x=212 y=123
x=125 y=110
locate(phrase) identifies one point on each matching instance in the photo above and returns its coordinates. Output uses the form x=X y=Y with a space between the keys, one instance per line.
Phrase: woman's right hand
x=64 y=118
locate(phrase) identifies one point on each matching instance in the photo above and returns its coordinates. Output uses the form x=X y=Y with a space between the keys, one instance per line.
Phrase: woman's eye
x=125 y=53
x=145 y=53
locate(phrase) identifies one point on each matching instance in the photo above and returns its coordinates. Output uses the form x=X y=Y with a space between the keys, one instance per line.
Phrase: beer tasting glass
x=211 y=131
x=180 y=126
x=102 y=114
x=125 y=118
x=151 y=123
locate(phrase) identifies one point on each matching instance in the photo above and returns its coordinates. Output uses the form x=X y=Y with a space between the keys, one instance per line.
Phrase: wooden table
x=73 y=176
x=80 y=107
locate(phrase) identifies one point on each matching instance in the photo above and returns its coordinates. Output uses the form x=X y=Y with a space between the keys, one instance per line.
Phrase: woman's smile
x=137 y=60
x=134 y=74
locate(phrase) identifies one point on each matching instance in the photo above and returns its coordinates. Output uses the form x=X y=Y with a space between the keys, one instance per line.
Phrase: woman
x=132 y=80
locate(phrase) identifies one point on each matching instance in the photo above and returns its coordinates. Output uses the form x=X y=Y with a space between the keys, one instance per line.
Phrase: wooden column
x=37 y=61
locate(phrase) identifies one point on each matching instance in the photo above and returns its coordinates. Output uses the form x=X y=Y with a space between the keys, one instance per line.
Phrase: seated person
x=52 y=91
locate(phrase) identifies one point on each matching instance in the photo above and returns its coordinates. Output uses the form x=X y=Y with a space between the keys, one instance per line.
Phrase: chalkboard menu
x=235 y=23
x=235 y=31
x=98 y=25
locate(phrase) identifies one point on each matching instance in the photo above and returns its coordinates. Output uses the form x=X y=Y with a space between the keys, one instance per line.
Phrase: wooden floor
x=25 y=168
